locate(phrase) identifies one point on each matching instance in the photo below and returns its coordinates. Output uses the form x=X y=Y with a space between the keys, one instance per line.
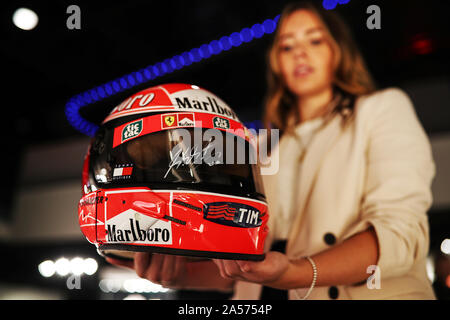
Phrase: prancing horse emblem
x=169 y=120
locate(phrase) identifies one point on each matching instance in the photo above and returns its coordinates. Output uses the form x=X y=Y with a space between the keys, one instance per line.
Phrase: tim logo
x=132 y=130
x=233 y=214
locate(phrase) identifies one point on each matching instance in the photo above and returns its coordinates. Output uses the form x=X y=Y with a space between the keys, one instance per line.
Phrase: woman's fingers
x=232 y=269
x=168 y=269
x=180 y=266
x=245 y=266
x=158 y=268
x=141 y=263
x=219 y=265
x=154 y=270
x=121 y=262
x=229 y=268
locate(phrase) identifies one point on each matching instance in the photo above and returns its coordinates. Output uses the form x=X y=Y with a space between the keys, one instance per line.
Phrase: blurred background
x=43 y=253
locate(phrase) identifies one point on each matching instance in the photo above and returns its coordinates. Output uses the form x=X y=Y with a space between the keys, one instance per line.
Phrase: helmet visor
x=182 y=158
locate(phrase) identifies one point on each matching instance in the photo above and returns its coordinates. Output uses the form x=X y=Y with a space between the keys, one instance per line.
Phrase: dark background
x=43 y=68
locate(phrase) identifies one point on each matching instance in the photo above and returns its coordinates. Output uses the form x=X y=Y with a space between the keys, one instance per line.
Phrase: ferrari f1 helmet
x=171 y=170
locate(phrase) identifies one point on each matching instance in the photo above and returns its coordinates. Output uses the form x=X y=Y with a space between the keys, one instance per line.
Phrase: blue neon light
x=331 y=4
x=167 y=66
x=159 y=69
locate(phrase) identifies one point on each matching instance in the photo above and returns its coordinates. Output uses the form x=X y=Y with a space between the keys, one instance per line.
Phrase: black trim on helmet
x=183 y=252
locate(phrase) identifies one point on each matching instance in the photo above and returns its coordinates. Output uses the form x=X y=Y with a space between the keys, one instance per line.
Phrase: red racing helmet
x=172 y=170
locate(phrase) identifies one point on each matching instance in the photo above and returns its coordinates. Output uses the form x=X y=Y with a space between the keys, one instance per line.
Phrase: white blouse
x=297 y=142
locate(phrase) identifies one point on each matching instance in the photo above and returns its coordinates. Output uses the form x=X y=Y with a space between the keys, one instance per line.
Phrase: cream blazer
x=375 y=172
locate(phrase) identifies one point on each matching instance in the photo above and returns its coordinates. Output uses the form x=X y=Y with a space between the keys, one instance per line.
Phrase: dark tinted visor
x=184 y=158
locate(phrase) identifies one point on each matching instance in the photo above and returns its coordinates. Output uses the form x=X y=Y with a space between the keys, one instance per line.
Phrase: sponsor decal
x=175 y=120
x=169 y=121
x=208 y=104
x=132 y=130
x=150 y=100
x=186 y=120
x=139 y=100
x=135 y=233
x=87 y=210
x=233 y=214
x=86 y=201
x=131 y=226
x=123 y=171
x=155 y=123
x=88 y=218
x=221 y=123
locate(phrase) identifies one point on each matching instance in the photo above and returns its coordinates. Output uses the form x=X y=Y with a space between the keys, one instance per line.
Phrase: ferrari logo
x=169 y=120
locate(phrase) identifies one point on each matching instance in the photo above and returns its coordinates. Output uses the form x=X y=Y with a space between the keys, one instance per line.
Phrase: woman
x=353 y=185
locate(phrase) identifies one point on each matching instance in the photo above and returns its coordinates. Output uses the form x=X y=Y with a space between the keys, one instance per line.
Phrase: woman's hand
x=164 y=269
x=264 y=272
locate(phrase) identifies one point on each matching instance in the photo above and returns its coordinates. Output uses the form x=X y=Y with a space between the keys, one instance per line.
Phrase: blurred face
x=305 y=54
